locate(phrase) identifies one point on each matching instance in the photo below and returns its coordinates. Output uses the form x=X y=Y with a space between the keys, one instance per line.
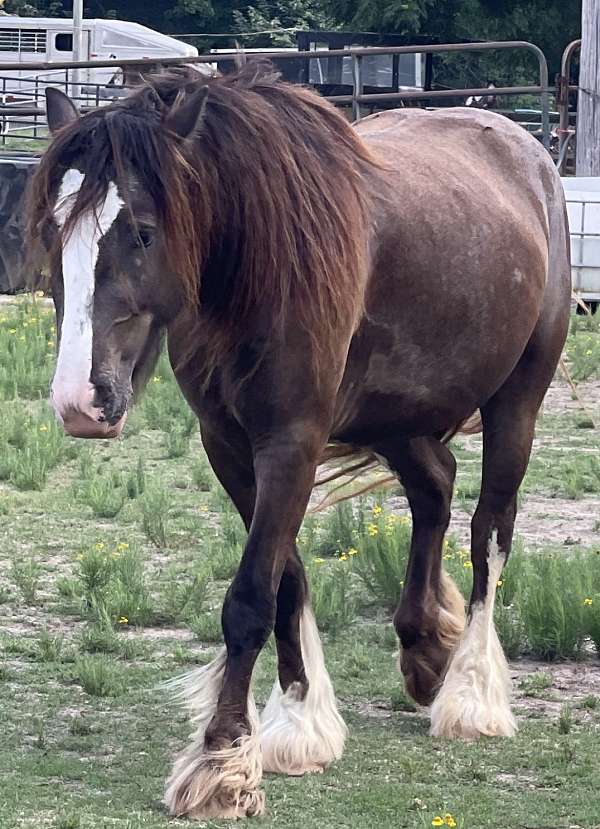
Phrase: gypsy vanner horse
x=319 y=285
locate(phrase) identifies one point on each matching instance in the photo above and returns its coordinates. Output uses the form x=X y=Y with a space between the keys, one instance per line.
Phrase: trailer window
x=23 y=40
x=64 y=42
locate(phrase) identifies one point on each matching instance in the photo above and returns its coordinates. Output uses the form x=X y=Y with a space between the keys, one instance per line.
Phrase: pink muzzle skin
x=81 y=425
x=78 y=415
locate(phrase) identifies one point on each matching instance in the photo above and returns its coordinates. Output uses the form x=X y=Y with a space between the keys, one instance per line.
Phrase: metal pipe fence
x=564 y=88
x=94 y=94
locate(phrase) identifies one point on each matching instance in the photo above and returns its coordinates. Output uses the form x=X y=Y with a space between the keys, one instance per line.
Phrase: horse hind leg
x=301 y=729
x=430 y=617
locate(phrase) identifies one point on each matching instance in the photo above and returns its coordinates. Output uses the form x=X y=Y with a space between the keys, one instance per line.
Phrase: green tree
x=276 y=17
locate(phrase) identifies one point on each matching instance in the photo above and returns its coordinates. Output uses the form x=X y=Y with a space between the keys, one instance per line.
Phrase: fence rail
x=356 y=100
x=564 y=88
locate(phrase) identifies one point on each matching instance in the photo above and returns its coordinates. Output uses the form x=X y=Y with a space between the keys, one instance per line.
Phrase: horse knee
x=248 y=615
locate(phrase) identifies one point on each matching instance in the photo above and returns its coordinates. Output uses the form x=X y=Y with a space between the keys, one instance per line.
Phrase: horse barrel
x=15 y=170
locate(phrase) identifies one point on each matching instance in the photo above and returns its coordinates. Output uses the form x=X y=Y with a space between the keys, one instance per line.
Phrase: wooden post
x=588 y=108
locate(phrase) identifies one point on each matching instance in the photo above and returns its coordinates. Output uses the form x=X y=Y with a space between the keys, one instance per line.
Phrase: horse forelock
x=265 y=202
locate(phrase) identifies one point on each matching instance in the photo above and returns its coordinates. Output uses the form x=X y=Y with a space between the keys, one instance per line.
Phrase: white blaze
x=71 y=387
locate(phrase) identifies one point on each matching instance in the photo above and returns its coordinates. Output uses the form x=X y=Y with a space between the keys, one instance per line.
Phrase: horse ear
x=187 y=117
x=60 y=109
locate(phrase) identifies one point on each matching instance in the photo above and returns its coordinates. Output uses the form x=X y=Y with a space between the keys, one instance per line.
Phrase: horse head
x=108 y=204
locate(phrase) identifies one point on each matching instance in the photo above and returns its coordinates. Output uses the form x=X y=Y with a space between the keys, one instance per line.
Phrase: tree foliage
x=551 y=24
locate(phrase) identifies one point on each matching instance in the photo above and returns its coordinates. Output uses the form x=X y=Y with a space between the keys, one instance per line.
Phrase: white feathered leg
x=303 y=735
x=474 y=699
x=214 y=784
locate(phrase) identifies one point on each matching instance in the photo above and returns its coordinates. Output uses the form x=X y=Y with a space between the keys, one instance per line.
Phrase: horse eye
x=145 y=237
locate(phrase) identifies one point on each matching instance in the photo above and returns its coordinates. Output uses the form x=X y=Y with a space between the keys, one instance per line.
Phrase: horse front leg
x=301 y=728
x=219 y=774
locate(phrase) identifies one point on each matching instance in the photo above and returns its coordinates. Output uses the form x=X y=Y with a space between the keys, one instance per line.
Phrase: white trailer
x=25 y=40
x=583 y=206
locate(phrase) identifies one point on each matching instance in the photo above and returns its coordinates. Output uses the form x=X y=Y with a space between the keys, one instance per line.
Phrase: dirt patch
x=568 y=682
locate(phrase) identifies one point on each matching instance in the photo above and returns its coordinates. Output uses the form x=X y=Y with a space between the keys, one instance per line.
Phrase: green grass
x=114 y=564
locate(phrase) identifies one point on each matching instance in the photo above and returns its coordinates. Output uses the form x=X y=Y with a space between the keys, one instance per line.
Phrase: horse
x=367 y=288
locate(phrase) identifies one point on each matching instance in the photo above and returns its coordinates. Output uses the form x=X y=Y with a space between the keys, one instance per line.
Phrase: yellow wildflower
x=445 y=543
x=99 y=545
x=448 y=555
x=588 y=602
x=352 y=551
x=588 y=353
x=318 y=561
x=39 y=294
x=343 y=557
x=449 y=820
x=377 y=510
x=156 y=379
x=123 y=620
x=500 y=582
x=467 y=564
x=12 y=330
x=372 y=529
x=52 y=329
x=123 y=545
x=437 y=821
x=43 y=428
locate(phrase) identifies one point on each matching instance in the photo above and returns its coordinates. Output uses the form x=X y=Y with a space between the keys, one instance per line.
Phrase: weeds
x=535 y=684
x=26 y=575
x=184 y=599
x=135 y=483
x=49 y=648
x=30 y=446
x=177 y=441
x=67 y=822
x=98 y=676
x=105 y=495
x=333 y=593
x=553 y=610
x=565 y=720
x=80 y=727
x=113 y=585
x=380 y=554
x=202 y=475
x=207 y=627
x=155 y=505
x=583 y=348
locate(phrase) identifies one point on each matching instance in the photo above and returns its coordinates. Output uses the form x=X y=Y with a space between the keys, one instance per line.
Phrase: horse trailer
x=25 y=40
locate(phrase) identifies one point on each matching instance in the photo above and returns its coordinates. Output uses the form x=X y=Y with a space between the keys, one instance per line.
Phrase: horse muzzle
x=89 y=414
x=81 y=425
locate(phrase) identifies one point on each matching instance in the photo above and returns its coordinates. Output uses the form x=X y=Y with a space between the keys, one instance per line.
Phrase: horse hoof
x=301 y=730
x=217 y=784
x=425 y=661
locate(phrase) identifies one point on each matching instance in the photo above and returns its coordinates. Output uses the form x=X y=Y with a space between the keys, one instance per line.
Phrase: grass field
x=114 y=560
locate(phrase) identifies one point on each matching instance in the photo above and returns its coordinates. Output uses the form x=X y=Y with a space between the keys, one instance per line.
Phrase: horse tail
x=359 y=471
